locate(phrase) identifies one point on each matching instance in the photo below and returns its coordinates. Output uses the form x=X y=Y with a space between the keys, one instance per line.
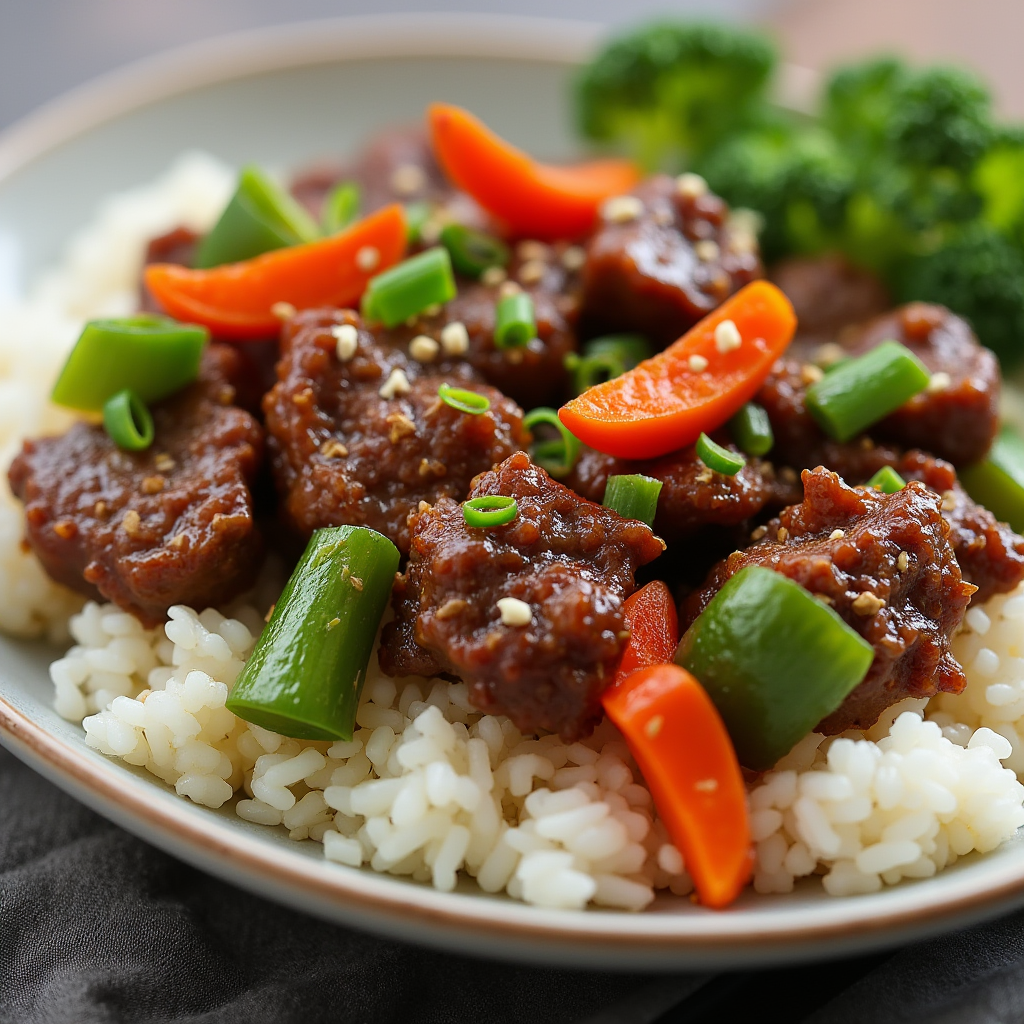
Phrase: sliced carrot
x=236 y=300
x=694 y=386
x=654 y=629
x=530 y=199
x=679 y=741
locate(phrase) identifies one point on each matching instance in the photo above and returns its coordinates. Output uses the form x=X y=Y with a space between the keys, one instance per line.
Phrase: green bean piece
x=997 y=482
x=887 y=480
x=153 y=356
x=633 y=496
x=260 y=216
x=410 y=287
x=473 y=251
x=717 y=458
x=752 y=430
x=341 y=208
x=128 y=422
x=306 y=673
x=864 y=390
x=515 y=322
x=774 y=660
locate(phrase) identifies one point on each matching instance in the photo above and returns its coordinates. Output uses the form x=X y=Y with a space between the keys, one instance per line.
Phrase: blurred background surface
x=49 y=46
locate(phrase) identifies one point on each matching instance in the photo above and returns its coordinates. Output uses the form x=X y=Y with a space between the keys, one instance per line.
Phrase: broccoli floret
x=668 y=92
x=999 y=178
x=858 y=103
x=980 y=275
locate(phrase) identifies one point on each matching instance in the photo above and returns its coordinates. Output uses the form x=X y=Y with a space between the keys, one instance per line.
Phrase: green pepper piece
x=306 y=673
x=260 y=216
x=633 y=496
x=152 y=356
x=341 y=207
x=997 y=482
x=775 y=661
x=887 y=480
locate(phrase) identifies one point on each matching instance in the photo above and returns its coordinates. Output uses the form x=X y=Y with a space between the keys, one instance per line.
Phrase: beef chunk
x=570 y=561
x=147 y=530
x=176 y=246
x=828 y=295
x=659 y=273
x=343 y=453
x=958 y=417
x=885 y=564
x=990 y=554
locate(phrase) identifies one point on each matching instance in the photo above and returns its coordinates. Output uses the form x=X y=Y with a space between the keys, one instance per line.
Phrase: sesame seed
x=400 y=426
x=334 y=622
x=423 y=349
x=531 y=249
x=697 y=363
x=368 y=258
x=65 y=529
x=759 y=533
x=452 y=607
x=653 y=725
x=662 y=216
x=939 y=382
x=347 y=338
x=621 y=209
x=507 y=288
x=493 y=276
x=514 y=612
x=283 y=310
x=397 y=384
x=866 y=603
x=706 y=785
x=270 y=612
x=837 y=535
x=948 y=501
x=163 y=462
x=707 y=251
x=532 y=271
x=705 y=476
x=903 y=561
x=691 y=186
x=782 y=535
x=132 y=522
x=741 y=243
x=356 y=582
x=100 y=509
x=828 y=354
x=574 y=257
x=455 y=338
x=178 y=541
x=407 y=179
x=333 y=449
x=811 y=374
x=152 y=484
x=727 y=336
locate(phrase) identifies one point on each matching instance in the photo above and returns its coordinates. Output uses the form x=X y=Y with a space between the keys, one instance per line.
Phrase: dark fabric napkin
x=98 y=927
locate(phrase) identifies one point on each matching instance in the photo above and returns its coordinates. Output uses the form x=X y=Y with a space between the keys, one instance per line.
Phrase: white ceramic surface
x=281 y=98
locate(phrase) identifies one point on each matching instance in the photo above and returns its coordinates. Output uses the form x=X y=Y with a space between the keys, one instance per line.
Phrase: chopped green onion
x=864 y=390
x=606 y=358
x=557 y=456
x=997 y=482
x=304 y=677
x=464 y=401
x=514 y=321
x=633 y=496
x=150 y=355
x=887 y=480
x=473 y=251
x=416 y=216
x=410 y=287
x=490 y=510
x=341 y=207
x=752 y=430
x=128 y=422
x=717 y=458
x=259 y=217
x=774 y=660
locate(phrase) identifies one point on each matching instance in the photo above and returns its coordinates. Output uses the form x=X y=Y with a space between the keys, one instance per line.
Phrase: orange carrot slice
x=654 y=629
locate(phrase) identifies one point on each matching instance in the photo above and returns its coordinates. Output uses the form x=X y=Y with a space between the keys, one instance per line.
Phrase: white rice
x=428 y=787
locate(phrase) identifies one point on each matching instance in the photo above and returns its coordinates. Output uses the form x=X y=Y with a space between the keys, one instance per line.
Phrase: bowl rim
x=381 y=903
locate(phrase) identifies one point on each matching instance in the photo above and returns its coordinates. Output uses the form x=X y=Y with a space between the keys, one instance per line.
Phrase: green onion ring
x=128 y=422
x=473 y=251
x=717 y=458
x=557 y=456
x=515 y=322
x=633 y=496
x=469 y=402
x=489 y=510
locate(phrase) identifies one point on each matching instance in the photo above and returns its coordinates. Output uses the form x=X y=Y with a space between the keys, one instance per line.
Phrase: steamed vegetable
x=694 y=386
x=530 y=199
x=304 y=677
x=633 y=496
x=239 y=300
x=775 y=661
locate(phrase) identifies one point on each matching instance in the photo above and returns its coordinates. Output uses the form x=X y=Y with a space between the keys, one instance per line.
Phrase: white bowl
x=280 y=97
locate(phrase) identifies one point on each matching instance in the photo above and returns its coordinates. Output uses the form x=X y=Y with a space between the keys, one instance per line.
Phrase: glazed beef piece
x=990 y=554
x=957 y=418
x=828 y=295
x=885 y=564
x=170 y=525
x=570 y=563
x=660 y=272
x=366 y=440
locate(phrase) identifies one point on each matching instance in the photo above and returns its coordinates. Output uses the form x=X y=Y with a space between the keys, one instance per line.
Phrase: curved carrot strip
x=679 y=741
x=530 y=199
x=654 y=629
x=236 y=300
x=667 y=401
